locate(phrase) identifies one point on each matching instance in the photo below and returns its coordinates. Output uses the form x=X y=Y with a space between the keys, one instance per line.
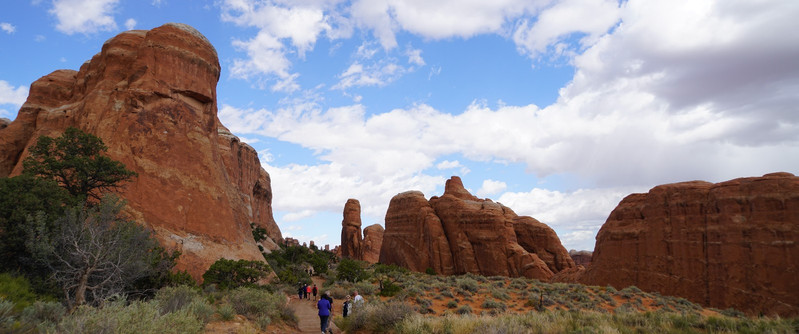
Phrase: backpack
x=346 y=308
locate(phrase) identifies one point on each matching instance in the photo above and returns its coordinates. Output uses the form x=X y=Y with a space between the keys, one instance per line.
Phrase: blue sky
x=557 y=109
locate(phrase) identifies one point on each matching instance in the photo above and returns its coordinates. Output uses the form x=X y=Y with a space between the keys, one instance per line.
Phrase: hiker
x=346 y=309
x=325 y=311
x=299 y=292
x=314 y=290
x=329 y=299
x=307 y=291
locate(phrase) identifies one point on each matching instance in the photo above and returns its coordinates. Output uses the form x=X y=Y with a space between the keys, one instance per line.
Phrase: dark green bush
x=229 y=274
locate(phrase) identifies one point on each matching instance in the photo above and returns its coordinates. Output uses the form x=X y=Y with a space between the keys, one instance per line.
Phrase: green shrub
x=229 y=274
x=390 y=289
x=16 y=290
x=465 y=309
x=137 y=317
x=452 y=304
x=172 y=299
x=365 y=288
x=376 y=317
x=253 y=303
x=493 y=304
x=45 y=315
x=226 y=312
x=468 y=284
x=430 y=271
x=351 y=271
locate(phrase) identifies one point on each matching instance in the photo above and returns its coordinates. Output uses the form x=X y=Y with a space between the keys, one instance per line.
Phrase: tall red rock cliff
x=459 y=233
x=351 y=240
x=151 y=97
x=730 y=244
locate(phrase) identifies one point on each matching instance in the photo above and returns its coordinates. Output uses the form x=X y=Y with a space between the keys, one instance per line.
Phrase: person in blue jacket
x=325 y=307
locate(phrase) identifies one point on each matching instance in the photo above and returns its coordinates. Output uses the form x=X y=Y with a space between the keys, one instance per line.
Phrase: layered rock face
x=372 y=241
x=581 y=258
x=151 y=97
x=730 y=244
x=351 y=240
x=459 y=233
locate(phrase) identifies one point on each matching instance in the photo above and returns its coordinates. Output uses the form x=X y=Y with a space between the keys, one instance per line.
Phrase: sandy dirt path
x=308 y=315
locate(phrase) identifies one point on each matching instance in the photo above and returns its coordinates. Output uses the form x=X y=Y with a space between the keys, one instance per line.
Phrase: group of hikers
x=325 y=303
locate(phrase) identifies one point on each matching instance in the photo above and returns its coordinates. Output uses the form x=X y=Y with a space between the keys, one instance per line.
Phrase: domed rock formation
x=730 y=244
x=581 y=258
x=351 y=240
x=151 y=97
x=372 y=241
x=459 y=233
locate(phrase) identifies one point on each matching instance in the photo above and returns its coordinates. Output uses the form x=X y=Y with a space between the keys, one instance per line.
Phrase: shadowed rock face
x=351 y=240
x=730 y=244
x=151 y=97
x=372 y=241
x=459 y=233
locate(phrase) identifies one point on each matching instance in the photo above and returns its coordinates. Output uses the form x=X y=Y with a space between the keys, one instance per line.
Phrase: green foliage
x=16 y=290
x=468 y=284
x=351 y=271
x=430 y=271
x=134 y=317
x=229 y=274
x=226 y=312
x=291 y=258
x=258 y=233
x=376 y=317
x=452 y=304
x=255 y=304
x=21 y=198
x=75 y=161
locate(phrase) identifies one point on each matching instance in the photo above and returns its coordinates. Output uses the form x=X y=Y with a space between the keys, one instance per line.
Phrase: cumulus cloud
x=591 y=18
x=7 y=27
x=491 y=187
x=663 y=91
x=84 y=16
x=267 y=52
x=130 y=24
x=14 y=96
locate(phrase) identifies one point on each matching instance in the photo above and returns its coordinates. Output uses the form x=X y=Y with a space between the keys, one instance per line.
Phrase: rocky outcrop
x=372 y=241
x=730 y=244
x=581 y=258
x=459 y=233
x=151 y=97
x=351 y=240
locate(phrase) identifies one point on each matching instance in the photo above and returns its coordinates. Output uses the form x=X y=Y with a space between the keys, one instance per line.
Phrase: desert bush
x=518 y=283
x=137 y=317
x=447 y=293
x=499 y=293
x=44 y=315
x=468 y=284
x=226 y=312
x=452 y=304
x=493 y=304
x=465 y=309
x=365 y=288
x=376 y=317
x=17 y=291
x=229 y=274
x=338 y=292
x=172 y=299
x=254 y=303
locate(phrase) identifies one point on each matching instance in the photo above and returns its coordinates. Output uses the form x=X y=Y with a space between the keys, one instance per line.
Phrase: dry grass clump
x=375 y=317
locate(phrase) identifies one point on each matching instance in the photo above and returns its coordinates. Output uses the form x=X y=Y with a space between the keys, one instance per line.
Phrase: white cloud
x=13 y=96
x=84 y=16
x=414 y=56
x=7 y=27
x=552 y=25
x=266 y=52
x=491 y=187
x=378 y=74
x=130 y=24
x=677 y=91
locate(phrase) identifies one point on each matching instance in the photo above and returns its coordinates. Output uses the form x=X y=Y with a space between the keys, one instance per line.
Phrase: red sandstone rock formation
x=351 y=240
x=459 y=233
x=151 y=97
x=730 y=244
x=372 y=241
x=581 y=258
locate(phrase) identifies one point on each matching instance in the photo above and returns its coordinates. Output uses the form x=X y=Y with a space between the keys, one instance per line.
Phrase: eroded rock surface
x=351 y=239
x=372 y=241
x=730 y=244
x=151 y=97
x=459 y=233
